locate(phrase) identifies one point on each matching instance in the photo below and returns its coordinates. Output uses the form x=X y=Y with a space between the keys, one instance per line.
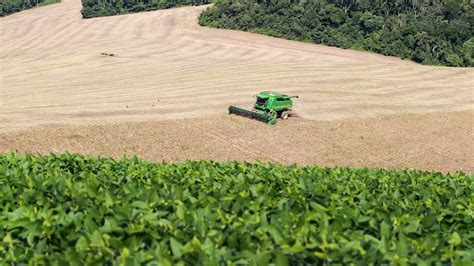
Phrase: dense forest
x=429 y=32
x=99 y=8
x=8 y=7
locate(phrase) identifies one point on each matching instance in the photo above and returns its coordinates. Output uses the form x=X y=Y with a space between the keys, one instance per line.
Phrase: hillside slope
x=168 y=67
x=53 y=73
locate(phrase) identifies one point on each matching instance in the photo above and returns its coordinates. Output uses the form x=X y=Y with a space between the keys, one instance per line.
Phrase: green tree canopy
x=431 y=32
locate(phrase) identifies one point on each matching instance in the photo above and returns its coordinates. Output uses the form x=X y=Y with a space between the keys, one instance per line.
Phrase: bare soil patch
x=435 y=142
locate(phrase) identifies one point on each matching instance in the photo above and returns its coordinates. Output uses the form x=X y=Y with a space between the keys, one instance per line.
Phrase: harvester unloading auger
x=268 y=107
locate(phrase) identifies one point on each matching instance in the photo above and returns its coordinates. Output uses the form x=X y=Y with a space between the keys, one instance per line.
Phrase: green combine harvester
x=268 y=107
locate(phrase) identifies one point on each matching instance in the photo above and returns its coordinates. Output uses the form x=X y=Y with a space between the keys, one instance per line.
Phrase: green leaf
x=180 y=212
x=139 y=204
x=31 y=238
x=281 y=260
x=402 y=247
x=455 y=239
x=110 y=226
x=275 y=233
x=176 y=247
x=412 y=227
x=96 y=239
x=89 y=224
x=81 y=244
x=8 y=239
x=429 y=220
x=385 y=230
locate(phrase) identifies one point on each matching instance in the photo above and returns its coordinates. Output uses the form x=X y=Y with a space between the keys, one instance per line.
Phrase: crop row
x=80 y=210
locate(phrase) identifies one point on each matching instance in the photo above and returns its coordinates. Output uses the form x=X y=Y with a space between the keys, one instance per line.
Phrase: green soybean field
x=69 y=209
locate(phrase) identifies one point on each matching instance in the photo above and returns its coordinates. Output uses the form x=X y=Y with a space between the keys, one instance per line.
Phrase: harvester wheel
x=284 y=115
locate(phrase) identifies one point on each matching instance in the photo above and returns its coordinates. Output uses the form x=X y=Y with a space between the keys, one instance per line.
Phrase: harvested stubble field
x=165 y=94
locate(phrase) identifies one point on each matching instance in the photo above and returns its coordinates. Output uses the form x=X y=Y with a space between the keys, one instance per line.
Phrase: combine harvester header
x=268 y=107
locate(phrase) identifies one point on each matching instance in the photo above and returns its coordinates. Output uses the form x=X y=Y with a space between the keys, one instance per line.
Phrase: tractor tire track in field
x=225 y=141
x=435 y=141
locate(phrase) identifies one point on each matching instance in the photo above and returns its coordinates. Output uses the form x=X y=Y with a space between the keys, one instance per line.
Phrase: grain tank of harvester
x=267 y=108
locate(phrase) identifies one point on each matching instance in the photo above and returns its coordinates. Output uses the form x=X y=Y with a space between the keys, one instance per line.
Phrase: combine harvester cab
x=268 y=107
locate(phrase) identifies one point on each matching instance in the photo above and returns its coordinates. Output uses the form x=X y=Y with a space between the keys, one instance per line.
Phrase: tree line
x=8 y=7
x=426 y=31
x=100 y=8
